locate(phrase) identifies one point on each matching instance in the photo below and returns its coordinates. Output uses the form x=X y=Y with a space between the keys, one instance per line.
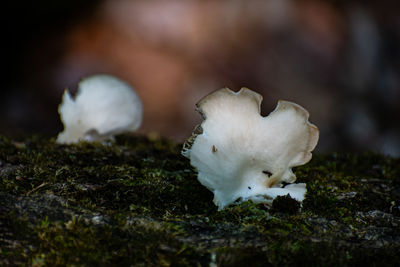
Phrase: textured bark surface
x=138 y=202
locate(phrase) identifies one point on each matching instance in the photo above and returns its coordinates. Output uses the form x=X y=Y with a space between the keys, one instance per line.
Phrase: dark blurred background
x=338 y=59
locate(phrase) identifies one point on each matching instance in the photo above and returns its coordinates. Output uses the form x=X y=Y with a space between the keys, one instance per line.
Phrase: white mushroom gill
x=240 y=155
x=104 y=106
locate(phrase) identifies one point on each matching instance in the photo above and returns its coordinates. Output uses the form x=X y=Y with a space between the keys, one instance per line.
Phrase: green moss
x=138 y=202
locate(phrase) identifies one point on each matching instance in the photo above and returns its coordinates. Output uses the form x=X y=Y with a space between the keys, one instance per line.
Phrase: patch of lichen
x=137 y=201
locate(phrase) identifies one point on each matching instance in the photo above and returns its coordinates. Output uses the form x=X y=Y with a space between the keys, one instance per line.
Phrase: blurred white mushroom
x=241 y=155
x=104 y=106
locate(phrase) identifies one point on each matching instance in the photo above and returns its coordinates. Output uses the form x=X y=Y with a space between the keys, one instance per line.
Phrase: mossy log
x=137 y=202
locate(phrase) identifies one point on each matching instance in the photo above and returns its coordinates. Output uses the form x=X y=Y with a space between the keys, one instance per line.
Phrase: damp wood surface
x=137 y=202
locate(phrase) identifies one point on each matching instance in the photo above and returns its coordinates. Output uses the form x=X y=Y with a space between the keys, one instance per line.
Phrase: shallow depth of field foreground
x=137 y=202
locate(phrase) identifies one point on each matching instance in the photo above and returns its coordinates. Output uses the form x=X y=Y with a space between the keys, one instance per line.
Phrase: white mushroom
x=241 y=155
x=104 y=106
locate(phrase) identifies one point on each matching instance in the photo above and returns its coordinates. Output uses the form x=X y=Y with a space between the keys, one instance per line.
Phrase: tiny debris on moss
x=285 y=204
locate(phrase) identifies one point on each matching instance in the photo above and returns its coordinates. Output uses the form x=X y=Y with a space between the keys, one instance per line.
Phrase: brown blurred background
x=338 y=59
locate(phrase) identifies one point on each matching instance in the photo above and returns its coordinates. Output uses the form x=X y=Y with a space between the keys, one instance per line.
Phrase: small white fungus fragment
x=103 y=107
x=241 y=155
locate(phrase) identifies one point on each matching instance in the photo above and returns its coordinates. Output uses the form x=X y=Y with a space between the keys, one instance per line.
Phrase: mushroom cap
x=241 y=155
x=104 y=106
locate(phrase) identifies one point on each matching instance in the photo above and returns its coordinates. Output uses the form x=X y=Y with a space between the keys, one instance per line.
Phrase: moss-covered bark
x=138 y=202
